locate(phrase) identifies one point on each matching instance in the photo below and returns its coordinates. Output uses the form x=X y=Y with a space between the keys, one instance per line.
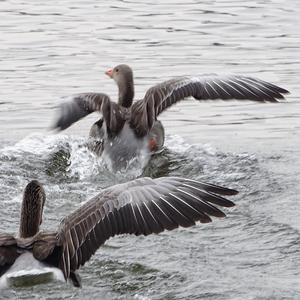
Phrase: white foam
x=178 y=144
x=35 y=143
x=82 y=162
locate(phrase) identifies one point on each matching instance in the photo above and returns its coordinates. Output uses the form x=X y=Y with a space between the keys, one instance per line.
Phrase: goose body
x=122 y=149
x=135 y=124
x=141 y=207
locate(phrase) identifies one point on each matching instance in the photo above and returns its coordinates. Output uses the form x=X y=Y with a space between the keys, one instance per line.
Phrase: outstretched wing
x=142 y=206
x=8 y=252
x=82 y=105
x=161 y=96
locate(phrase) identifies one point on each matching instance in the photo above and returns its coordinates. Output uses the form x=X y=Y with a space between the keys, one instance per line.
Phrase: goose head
x=32 y=209
x=123 y=76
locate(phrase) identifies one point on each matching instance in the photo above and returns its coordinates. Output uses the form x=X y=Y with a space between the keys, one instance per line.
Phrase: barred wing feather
x=212 y=87
x=140 y=207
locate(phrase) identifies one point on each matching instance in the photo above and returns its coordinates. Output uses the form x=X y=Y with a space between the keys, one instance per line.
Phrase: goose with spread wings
x=126 y=127
x=141 y=207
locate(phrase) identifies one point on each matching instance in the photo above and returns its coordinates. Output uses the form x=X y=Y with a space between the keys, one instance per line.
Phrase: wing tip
x=284 y=91
x=225 y=191
x=59 y=125
x=229 y=203
x=231 y=192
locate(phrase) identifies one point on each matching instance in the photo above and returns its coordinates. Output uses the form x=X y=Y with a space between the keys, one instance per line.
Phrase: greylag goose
x=126 y=127
x=141 y=207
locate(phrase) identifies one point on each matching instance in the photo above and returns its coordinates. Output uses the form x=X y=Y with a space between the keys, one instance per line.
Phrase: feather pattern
x=142 y=115
x=142 y=206
x=80 y=106
x=212 y=87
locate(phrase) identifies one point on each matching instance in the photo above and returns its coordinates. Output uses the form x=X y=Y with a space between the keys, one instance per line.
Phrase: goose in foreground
x=126 y=127
x=141 y=207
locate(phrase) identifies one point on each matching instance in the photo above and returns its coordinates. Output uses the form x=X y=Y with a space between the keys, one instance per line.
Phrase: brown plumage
x=141 y=207
x=141 y=116
x=143 y=113
x=32 y=208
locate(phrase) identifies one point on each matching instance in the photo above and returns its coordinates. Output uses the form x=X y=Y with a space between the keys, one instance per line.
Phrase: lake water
x=51 y=49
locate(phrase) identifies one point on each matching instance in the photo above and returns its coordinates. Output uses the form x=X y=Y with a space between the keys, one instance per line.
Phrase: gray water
x=52 y=49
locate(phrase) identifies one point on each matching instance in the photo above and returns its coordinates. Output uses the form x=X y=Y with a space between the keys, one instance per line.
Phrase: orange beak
x=109 y=73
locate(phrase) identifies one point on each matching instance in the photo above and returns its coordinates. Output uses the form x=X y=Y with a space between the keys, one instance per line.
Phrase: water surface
x=56 y=48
